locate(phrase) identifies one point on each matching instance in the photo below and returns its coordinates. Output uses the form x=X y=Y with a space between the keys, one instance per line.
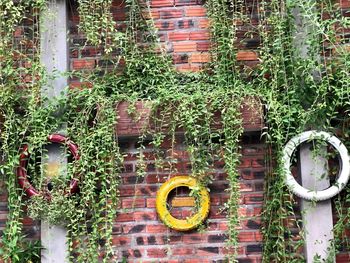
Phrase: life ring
x=22 y=172
x=182 y=224
x=343 y=177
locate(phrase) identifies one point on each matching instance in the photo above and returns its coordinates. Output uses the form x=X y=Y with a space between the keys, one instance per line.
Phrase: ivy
x=303 y=88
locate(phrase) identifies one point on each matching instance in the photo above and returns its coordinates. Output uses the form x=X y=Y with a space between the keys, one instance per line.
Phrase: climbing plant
x=303 y=91
x=304 y=83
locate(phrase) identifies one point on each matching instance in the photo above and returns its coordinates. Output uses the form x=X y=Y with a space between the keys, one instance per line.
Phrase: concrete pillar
x=317 y=217
x=54 y=46
x=54 y=56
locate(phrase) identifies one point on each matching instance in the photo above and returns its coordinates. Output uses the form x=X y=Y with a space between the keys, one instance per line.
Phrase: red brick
x=133 y=202
x=27 y=221
x=182 y=251
x=184 y=46
x=196 y=11
x=188 y=68
x=171 y=13
x=151 y=202
x=145 y=216
x=251 y=224
x=124 y=217
x=150 y=190
x=199 y=35
x=344 y=3
x=157 y=252
x=178 y=36
x=258 y=236
x=203 y=46
x=172 y=239
x=90 y=52
x=246 y=55
x=74 y=53
x=130 y=253
x=183 y=154
x=257 y=211
x=185 y=23
x=215 y=200
x=160 y=261
x=245 y=163
x=18 y=32
x=84 y=64
x=154 y=13
x=343 y=258
x=165 y=25
x=217 y=213
x=180 y=59
x=130 y=157
x=118 y=3
x=120 y=241
x=194 y=238
x=258 y=163
x=156 y=228
x=222 y=226
x=253 y=198
x=133 y=228
x=162 y=3
x=203 y=23
x=225 y=250
x=199 y=58
x=196 y=260
x=246 y=237
x=75 y=19
x=208 y=251
x=119 y=15
x=211 y=226
x=156 y=178
x=245 y=187
x=80 y=85
x=217 y=238
x=185 y=2
x=127 y=191
x=244 y=212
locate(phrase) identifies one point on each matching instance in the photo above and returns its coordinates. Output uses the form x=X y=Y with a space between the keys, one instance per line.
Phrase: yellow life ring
x=203 y=200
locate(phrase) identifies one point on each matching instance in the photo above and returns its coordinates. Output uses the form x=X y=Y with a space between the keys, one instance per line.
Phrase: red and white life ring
x=22 y=172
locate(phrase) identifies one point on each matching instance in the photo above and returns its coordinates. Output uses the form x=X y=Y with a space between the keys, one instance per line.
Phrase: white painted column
x=317 y=217
x=54 y=56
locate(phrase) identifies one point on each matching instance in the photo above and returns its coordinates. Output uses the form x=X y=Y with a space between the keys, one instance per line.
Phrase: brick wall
x=138 y=234
x=182 y=29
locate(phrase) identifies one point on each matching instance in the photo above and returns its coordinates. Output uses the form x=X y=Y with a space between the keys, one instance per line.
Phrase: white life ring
x=340 y=183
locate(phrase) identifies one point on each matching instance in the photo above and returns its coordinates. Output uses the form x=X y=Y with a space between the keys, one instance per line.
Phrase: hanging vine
x=302 y=89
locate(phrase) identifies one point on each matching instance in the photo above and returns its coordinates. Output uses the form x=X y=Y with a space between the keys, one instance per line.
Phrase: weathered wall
x=139 y=236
